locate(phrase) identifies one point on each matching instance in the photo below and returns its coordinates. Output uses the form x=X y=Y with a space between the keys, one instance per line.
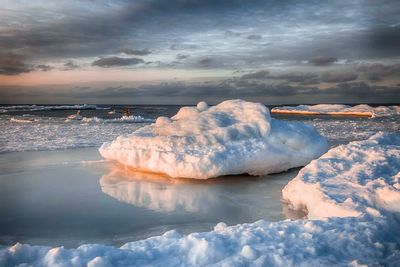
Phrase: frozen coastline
x=368 y=237
x=351 y=195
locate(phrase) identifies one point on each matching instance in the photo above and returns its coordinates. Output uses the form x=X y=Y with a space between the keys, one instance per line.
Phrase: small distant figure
x=127 y=112
x=76 y=116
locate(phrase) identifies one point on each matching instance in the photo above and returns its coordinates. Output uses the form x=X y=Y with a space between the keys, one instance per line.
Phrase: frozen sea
x=56 y=190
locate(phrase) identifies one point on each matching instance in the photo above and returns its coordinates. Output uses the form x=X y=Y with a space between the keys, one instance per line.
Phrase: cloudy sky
x=182 y=51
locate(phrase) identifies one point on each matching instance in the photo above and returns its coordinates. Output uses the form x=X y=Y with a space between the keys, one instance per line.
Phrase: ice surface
x=350 y=180
x=49 y=133
x=336 y=109
x=233 y=137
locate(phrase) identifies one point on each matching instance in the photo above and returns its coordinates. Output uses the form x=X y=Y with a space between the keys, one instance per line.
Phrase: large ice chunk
x=201 y=142
x=350 y=180
x=362 y=110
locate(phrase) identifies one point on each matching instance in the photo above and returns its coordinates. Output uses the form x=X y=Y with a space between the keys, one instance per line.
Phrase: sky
x=182 y=51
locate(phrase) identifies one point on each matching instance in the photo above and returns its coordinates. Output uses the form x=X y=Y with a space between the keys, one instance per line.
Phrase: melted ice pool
x=71 y=197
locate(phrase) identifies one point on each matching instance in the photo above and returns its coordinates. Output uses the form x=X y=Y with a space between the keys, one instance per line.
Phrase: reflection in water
x=155 y=191
x=240 y=196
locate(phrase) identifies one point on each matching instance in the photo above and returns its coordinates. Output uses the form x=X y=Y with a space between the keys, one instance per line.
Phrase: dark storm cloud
x=369 y=31
x=116 y=61
x=136 y=52
x=289 y=77
x=13 y=64
x=377 y=72
x=323 y=61
x=332 y=77
x=295 y=77
x=386 y=40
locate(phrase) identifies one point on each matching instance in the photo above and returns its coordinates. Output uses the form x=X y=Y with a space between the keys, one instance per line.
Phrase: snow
x=336 y=241
x=337 y=109
x=203 y=142
x=360 y=178
x=351 y=194
x=123 y=119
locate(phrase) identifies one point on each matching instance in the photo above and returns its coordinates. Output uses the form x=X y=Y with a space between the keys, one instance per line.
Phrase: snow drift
x=360 y=178
x=202 y=142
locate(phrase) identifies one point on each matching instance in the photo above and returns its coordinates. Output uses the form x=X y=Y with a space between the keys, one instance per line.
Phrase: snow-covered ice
x=351 y=194
x=123 y=119
x=233 y=137
x=338 y=109
x=350 y=180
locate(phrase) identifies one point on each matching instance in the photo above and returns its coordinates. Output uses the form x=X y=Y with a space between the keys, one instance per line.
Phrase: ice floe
x=337 y=109
x=350 y=180
x=202 y=142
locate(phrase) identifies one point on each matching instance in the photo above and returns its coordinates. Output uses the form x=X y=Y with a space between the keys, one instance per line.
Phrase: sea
x=55 y=189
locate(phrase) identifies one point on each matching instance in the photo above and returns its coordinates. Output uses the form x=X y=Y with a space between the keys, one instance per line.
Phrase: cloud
x=13 y=64
x=331 y=77
x=116 y=61
x=289 y=77
x=70 y=65
x=254 y=37
x=323 y=61
x=213 y=92
x=136 y=52
x=263 y=74
x=206 y=62
x=295 y=77
x=43 y=67
x=181 y=56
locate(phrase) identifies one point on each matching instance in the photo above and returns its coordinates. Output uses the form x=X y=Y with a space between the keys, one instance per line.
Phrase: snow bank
x=336 y=241
x=350 y=180
x=336 y=109
x=233 y=137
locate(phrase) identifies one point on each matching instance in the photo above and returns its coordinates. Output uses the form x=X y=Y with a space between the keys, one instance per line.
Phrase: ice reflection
x=156 y=192
x=235 y=199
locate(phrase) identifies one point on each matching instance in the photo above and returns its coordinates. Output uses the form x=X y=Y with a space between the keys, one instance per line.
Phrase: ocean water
x=55 y=189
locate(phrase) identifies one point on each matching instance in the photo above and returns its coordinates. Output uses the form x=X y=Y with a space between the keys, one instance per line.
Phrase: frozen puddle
x=72 y=197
